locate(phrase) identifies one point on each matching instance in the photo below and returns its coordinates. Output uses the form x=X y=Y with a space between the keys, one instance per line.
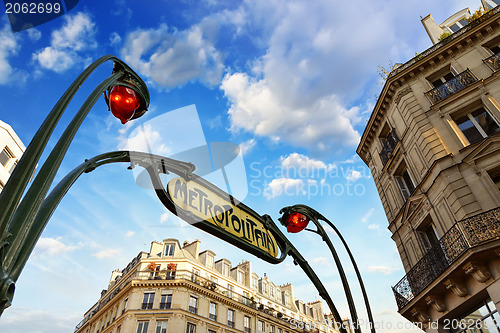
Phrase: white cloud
x=367 y=215
x=106 y=254
x=374 y=227
x=300 y=162
x=52 y=246
x=385 y=270
x=164 y=218
x=68 y=44
x=305 y=88
x=353 y=175
x=172 y=58
x=322 y=261
x=255 y=107
x=34 y=34
x=130 y=233
x=115 y=39
x=9 y=46
x=284 y=186
x=247 y=146
x=145 y=139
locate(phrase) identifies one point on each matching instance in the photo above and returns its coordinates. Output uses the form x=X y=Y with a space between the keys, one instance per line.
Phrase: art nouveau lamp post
x=296 y=218
x=127 y=97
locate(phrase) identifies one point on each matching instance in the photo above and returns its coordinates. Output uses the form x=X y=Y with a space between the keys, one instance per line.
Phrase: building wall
x=436 y=180
x=11 y=146
x=185 y=275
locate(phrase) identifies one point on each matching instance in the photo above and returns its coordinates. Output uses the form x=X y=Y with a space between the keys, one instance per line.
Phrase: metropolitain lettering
x=218 y=211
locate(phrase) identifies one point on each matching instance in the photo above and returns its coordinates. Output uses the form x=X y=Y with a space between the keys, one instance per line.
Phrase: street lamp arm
x=13 y=190
x=159 y=164
x=315 y=216
x=23 y=218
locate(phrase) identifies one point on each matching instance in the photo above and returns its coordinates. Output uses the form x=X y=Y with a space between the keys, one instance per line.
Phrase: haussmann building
x=432 y=144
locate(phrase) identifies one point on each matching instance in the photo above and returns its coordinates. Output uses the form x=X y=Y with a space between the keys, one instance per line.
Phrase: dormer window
x=458 y=25
x=169 y=250
x=225 y=269
x=210 y=261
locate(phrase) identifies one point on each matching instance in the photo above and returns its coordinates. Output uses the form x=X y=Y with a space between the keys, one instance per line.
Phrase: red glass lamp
x=295 y=222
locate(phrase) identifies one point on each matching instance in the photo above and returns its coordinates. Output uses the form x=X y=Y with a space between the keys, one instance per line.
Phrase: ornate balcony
x=451 y=87
x=388 y=145
x=493 y=62
x=462 y=236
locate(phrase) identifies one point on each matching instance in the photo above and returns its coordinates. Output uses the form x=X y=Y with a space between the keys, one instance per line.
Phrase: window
x=272 y=329
x=246 y=324
x=246 y=298
x=5 y=156
x=241 y=277
x=254 y=282
x=271 y=291
x=190 y=328
x=442 y=76
x=166 y=300
x=125 y=305
x=458 y=25
x=404 y=181
x=495 y=177
x=169 y=249
x=147 y=302
x=193 y=304
x=212 y=314
x=428 y=234
x=230 y=318
x=477 y=125
x=142 y=327
x=229 y=291
x=210 y=261
x=260 y=326
x=225 y=269
x=195 y=276
x=161 y=326
x=483 y=318
x=280 y=330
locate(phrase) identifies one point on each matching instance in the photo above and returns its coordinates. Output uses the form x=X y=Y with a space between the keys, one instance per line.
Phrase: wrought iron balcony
x=451 y=87
x=388 y=145
x=493 y=62
x=462 y=236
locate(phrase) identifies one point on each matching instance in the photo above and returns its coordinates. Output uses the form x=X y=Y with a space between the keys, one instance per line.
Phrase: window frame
x=475 y=124
x=142 y=326
x=147 y=303
x=159 y=324
x=169 y=250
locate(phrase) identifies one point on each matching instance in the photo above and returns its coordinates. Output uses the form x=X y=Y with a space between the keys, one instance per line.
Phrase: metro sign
x=209 y=208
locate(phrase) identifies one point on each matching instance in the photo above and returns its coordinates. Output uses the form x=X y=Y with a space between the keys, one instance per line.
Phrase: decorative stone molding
x=436 y=302
x=421 y=314
x=478 y=271
x=457 y=287
x=400 y=94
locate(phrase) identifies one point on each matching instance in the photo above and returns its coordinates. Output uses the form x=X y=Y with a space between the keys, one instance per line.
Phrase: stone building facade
x=175 y=288
x=432 y=144
x=11 y=149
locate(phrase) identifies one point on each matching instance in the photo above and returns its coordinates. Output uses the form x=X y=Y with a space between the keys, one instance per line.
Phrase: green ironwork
x=315 y=217
x=18 y=231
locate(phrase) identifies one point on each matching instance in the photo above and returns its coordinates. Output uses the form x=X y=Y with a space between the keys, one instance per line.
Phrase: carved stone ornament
x=478 y=271
x=436 y=302
x=421 y=314
x=457 y=287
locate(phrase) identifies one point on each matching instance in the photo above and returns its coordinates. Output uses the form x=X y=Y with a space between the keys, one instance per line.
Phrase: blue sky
x=292 y=82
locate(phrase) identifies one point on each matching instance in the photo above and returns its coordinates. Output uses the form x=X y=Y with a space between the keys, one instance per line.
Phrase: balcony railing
x=463 y=235
x=193 y=309
x=459 y=82
x=388 y=145
x=493 y=62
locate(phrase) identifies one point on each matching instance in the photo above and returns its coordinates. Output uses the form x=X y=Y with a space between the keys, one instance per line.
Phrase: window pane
x=5 y=156
x=468 y=129
x=142 y=327
x=486 y=122
x=161 y=327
